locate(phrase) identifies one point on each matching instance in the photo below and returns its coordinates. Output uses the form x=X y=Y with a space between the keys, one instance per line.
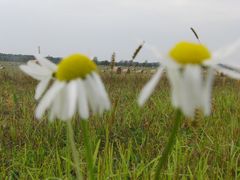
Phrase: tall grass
x=126 y=141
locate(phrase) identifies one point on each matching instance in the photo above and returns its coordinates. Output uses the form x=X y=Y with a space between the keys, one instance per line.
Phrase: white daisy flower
x=190 y=70
x=77 y=87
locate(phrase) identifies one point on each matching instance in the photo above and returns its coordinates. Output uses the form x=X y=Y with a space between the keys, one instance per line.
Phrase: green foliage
x=24 y=58
x=126 y=141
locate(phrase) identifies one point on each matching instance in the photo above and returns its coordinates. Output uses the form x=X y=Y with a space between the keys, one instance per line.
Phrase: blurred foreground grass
x=127 y=140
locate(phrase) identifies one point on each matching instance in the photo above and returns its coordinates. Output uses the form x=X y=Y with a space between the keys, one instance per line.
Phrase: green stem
x=170 y=144
x=74 y=150
x=88 y=149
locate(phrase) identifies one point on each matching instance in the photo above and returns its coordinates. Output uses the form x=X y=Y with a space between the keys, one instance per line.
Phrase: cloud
x=99 y=27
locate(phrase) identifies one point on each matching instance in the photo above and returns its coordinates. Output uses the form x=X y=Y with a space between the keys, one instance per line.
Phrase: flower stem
x=170 y=144
x=74 y=150
x=88 y=149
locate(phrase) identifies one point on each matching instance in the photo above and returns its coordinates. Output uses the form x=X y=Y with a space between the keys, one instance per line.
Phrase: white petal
x=102 y=91
x=46 y=63
x=41 y=87
x=175 y=79
x=207 y=92
x=63 y=101
x=48 y=98
x=96 y=94
x=56 y=107
x=235 y=74
x=36 y=75
x=149 y=87
x=229 y=55
x=38 y=69
x=92 y=94
x=71 y=98
x=82 y=101
x=52 y=116
x=192 y=85
x=64 y=104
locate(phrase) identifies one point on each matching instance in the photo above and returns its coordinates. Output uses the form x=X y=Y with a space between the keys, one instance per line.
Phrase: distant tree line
x=54 y=59
x=25 y=58
x=126 y=63
x=15 y=58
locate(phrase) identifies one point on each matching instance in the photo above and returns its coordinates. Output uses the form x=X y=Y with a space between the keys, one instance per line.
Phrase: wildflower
x=76 y=87
x=190 y=70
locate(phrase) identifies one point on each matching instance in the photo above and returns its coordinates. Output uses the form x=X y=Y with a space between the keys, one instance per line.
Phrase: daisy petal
x=56 y=108
x=48 y=98
x=61 y=104
x=82 y=101
x=91 y=94
x=207 y=91
x=192 y=85
x=102 y=91
x=71 y=98
x=229 y=55
x=149 y=87
x=29 y=71
x=41 y=87
x=37 y=68
x=52 y=115
x=235 y=74
x=98 y=98
x=46 y=63
x=175 y=79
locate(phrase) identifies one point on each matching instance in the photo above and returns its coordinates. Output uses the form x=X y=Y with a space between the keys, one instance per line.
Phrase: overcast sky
x=99 y=27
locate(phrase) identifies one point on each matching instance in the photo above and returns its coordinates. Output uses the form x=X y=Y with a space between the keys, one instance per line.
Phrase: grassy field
x=127 y=141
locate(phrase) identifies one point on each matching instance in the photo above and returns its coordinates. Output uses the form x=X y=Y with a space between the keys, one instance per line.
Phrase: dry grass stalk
x=195 y=34
x=136 y=52
x=113 y=60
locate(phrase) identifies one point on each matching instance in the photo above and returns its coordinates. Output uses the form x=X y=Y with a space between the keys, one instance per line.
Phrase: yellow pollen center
x=75 y=66
x=189 y=53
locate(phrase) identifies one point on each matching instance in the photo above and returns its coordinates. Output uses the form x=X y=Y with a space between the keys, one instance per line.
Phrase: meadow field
x=127 y=141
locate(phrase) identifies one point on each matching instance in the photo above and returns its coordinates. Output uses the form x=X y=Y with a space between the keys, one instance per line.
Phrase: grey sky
x=99 y=27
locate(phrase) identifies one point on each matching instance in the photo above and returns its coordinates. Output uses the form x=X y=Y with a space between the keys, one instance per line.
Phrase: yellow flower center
x=74 y=66
x=189 y=53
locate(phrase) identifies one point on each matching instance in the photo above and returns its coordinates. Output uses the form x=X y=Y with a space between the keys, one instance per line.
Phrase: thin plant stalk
x=88 y=149
x=169 y=147
x=74 y=150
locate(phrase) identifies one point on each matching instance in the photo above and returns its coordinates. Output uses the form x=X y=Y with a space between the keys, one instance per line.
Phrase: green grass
x=126 y=141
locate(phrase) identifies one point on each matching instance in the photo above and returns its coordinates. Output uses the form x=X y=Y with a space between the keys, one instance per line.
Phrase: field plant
x=127 y=141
